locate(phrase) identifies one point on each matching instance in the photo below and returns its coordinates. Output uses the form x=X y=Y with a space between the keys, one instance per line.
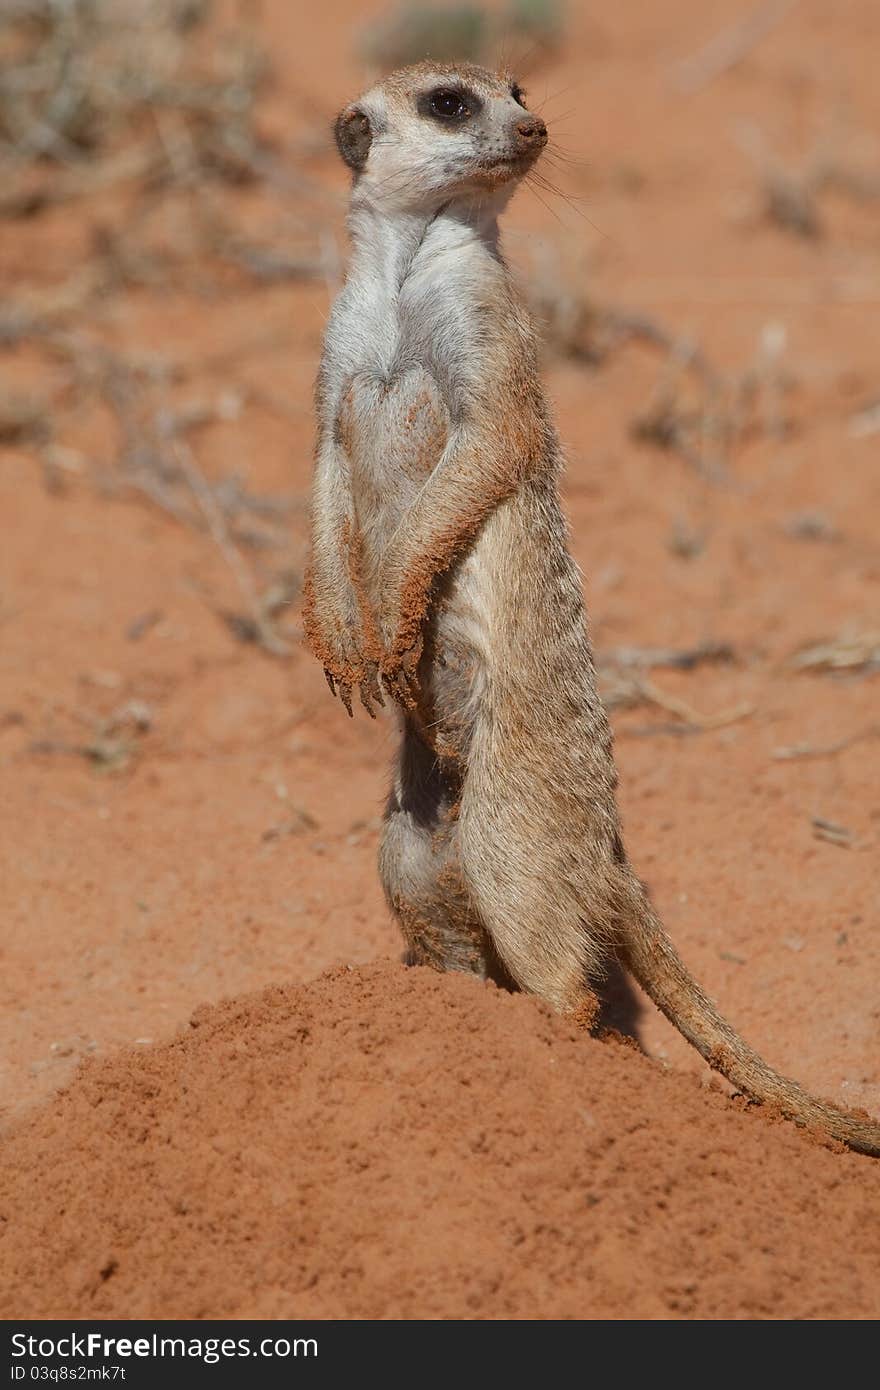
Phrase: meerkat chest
x=392 y=432
x=397 y=352
x=400 y=348
x=392 y=429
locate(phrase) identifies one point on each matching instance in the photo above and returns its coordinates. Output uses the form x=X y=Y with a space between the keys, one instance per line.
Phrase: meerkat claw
x=373 y=685
x=345 y=697
x=406 y=688
x=409 y=664
x=401 y=678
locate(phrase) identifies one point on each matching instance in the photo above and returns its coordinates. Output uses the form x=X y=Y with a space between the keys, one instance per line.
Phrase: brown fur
x=441 y=562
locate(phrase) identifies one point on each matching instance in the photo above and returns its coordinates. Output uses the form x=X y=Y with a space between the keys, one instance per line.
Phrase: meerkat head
x=434 y=133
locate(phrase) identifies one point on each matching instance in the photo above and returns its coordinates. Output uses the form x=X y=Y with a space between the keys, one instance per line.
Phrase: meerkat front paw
x=399 y=662
x=349 y=669
x=364 y=679
x=340 y=645
x=401 y=627
x=400 y=676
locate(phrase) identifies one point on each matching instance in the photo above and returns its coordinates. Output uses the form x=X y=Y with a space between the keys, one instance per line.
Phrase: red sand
x=237 y=849
x=388 y=1143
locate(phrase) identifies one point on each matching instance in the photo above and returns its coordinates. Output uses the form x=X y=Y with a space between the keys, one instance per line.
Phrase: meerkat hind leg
x=420 y=870
x=526 y=890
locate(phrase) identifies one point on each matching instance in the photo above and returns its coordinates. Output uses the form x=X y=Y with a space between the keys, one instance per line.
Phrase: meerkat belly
x=491 y=643
x=393 y=433
x=452 y=672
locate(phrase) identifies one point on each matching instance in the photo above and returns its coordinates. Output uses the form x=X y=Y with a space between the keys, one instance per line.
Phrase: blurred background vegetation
x=143 y=119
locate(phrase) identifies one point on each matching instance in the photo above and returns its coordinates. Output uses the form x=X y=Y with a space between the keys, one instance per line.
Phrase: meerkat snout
x=532 y=133
x=435 y=133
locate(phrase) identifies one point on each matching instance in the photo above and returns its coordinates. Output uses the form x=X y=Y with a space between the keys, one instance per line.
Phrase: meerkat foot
x=420 y=870
x=586 y=1013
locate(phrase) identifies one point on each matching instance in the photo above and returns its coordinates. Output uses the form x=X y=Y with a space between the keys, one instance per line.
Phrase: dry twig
x=624 y=684
x=731 y=46
x=796 y=751
x=856 y=652
x=257 y=614
x=834 y=834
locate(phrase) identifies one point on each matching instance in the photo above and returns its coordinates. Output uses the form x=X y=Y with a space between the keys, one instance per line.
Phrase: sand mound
x=391 y=1143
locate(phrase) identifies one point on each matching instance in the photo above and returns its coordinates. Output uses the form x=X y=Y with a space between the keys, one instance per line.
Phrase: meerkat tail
x=659 y=969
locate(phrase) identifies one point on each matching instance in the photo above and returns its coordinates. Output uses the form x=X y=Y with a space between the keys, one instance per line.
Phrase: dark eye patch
x=518 y=94
x=449 y=105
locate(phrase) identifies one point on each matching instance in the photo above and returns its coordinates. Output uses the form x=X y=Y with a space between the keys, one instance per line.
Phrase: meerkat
x=440 y=575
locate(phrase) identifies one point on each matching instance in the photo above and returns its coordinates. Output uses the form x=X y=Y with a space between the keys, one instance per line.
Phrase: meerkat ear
x=354 y=137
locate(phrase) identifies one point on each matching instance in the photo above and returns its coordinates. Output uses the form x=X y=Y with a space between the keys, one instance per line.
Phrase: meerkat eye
x=449 y=104
x=518 y=94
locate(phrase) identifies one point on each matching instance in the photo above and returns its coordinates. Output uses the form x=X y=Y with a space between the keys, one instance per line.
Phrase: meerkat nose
x=532 y=131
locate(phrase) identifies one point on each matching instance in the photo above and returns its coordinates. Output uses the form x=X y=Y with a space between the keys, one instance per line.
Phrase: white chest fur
x=414 y=297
